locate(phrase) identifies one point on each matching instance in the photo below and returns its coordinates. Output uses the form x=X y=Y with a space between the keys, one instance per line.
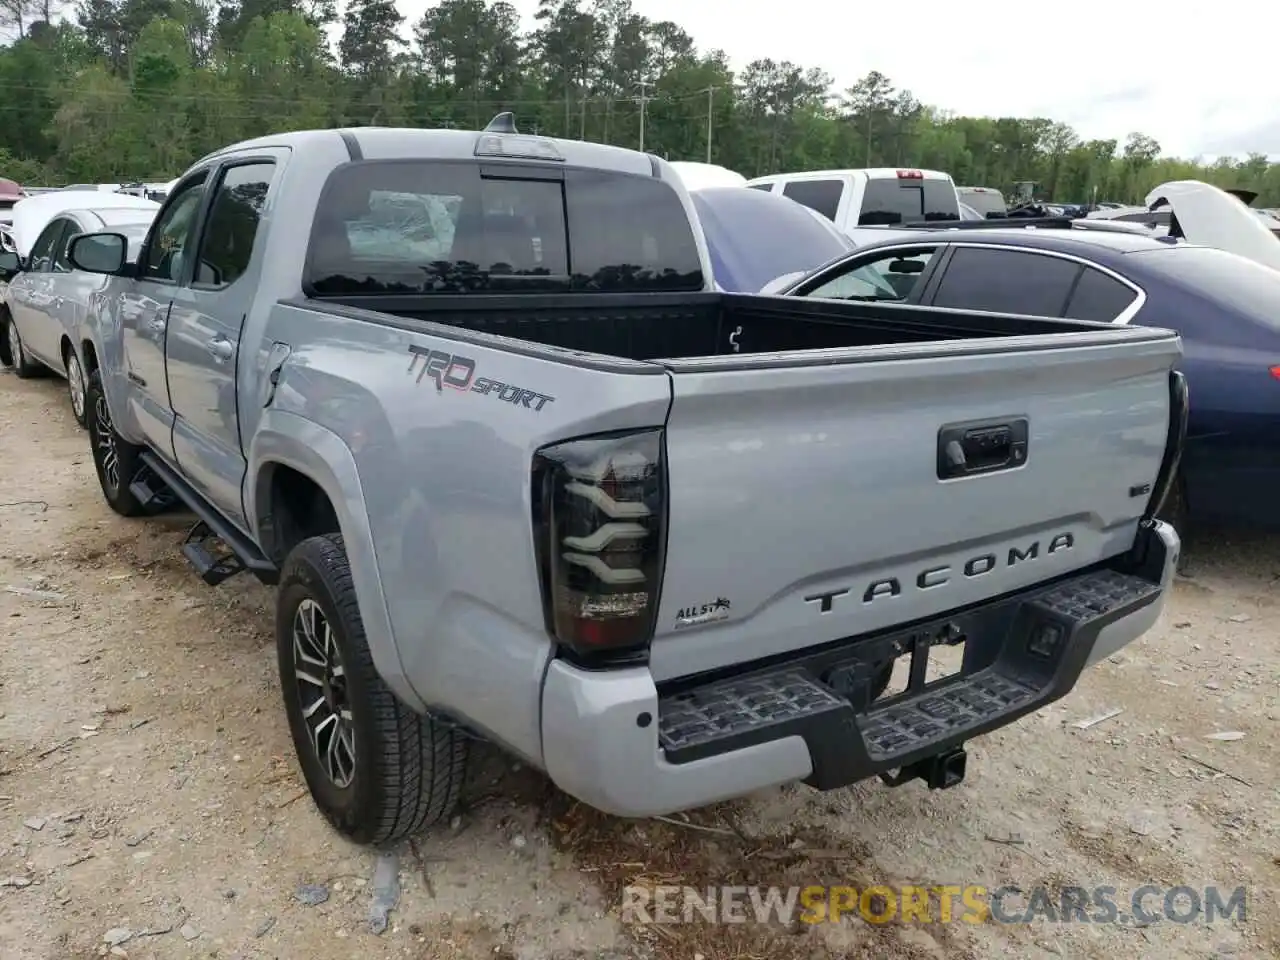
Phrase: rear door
x=205 y=321
x=1006 y=280
x=809 y=497
x=1035 y=283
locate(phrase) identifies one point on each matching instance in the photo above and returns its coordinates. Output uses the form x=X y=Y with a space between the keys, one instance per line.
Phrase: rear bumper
x=614 y=741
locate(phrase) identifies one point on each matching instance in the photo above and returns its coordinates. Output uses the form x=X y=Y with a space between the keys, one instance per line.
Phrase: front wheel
x=116 y=460
x=376 y=769
x=76 y=386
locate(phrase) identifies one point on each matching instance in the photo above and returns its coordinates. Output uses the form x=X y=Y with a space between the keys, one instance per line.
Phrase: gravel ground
x=151 y=807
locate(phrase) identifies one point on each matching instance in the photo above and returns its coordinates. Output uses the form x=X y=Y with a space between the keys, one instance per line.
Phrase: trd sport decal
x=459 y=373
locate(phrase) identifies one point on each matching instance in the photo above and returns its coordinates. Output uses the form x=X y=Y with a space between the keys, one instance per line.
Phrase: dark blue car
x=754 y=237
x=1226 y=308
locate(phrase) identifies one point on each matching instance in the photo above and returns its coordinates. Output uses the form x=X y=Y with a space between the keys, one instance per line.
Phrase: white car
x=46 y=300
x=698 y=176
x=1208 y=215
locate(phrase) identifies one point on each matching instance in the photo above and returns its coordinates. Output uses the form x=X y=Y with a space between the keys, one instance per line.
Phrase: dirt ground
x=150 y=805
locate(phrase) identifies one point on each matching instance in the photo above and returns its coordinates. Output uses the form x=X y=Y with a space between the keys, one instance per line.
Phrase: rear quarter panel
x=443 y=476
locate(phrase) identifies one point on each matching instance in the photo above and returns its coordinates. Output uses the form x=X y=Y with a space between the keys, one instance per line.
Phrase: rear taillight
x=910 y=174
x=1275 y=372
x=599 y=517
x=1175 y=441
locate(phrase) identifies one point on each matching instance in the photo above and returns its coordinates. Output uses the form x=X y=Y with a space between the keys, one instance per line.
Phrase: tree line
x=113 y=90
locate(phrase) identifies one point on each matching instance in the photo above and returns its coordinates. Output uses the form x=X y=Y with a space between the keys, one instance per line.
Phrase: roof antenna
x=503 y=123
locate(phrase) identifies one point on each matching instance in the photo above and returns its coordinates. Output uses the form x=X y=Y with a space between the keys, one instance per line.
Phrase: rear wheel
x=23 y=366
x=75 y=385
x=115 y=459
x=377 y=770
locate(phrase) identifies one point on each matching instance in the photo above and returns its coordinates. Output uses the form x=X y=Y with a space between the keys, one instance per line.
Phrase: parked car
x=10 y=194
x=871 y=197
x=1203 y=213
x=754 y=237
x=987 y=201
x=697 y=176
x=507 y=482
x=1226 y=308
x=45 y=302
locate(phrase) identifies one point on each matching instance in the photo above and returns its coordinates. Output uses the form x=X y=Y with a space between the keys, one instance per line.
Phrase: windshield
x=755 y=237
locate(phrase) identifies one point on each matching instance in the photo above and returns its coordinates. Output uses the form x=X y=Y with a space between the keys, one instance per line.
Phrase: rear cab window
x=435 y=227
x=907 y=199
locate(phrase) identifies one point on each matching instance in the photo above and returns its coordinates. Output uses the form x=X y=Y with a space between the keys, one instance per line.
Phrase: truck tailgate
x=817 y=496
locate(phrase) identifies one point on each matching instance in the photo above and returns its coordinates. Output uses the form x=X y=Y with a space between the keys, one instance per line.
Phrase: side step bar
x=213 y=568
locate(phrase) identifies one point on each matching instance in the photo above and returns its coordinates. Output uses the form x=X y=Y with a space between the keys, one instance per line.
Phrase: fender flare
x=320 y=454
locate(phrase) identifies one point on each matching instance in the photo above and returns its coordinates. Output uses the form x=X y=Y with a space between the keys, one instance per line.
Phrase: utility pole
x=644 y=102
x=711 y=93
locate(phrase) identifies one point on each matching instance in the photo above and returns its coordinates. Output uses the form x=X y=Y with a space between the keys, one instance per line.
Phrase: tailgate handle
x=982 y=446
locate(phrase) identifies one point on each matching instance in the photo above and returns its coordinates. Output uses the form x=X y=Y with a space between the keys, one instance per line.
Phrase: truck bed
x=875 y=465
x=687 y=326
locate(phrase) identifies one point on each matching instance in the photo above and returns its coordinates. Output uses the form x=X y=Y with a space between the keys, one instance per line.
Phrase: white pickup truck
x=875 y=197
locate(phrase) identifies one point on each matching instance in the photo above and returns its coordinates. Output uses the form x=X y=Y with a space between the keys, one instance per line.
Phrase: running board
x=213 y=569
x=152 y=492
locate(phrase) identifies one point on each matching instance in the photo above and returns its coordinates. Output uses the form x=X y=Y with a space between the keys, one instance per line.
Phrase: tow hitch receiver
x=940 y=771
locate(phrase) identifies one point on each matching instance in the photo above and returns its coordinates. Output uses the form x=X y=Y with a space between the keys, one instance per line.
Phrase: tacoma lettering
x=933 y=577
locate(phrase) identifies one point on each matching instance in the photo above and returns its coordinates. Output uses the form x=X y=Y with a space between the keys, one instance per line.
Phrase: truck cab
x=875 y=197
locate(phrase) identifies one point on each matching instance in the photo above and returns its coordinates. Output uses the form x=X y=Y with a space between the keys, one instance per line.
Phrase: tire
x=23 y=366
x=397 y=771
x=116 y=460
x=76 y=387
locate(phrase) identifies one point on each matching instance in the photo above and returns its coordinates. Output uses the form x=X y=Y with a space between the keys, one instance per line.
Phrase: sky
x=1201 y=86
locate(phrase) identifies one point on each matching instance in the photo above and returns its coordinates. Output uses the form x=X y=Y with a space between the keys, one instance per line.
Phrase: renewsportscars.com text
x=973 y=904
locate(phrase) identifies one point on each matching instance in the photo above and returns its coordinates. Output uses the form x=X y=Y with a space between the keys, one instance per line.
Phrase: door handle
x=58 y=302
x=981 y=446
x=221 y=348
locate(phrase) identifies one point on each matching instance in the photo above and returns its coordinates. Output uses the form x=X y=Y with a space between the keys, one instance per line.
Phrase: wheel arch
x=292 y=457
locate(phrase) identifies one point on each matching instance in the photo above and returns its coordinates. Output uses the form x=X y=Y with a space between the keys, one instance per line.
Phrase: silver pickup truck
x=471 y=400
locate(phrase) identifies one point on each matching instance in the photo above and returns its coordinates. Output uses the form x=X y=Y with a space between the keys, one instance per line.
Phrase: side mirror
x=10 y=263
x=99 y=252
